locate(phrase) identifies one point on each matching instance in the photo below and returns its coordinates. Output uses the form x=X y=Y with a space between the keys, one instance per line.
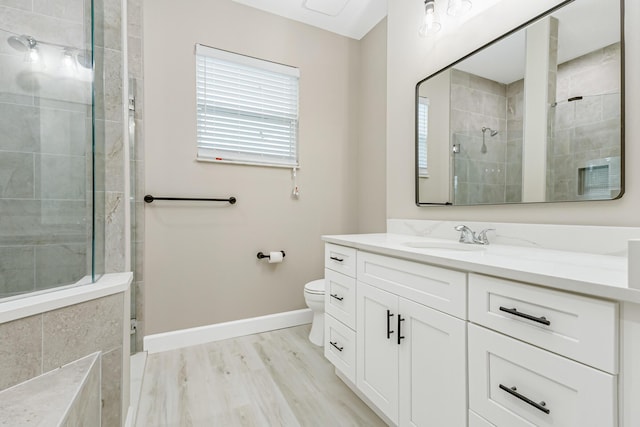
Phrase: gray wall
x=201 y=259
x=372 y=122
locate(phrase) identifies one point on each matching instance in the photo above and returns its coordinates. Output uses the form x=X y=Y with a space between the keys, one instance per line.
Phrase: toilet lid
x=315 y=287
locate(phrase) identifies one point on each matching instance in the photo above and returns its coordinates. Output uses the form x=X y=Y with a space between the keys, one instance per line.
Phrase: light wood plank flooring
x=276 y=378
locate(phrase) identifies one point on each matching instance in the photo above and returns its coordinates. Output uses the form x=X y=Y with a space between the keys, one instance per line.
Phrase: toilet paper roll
x=634 y=263
x=275 y=257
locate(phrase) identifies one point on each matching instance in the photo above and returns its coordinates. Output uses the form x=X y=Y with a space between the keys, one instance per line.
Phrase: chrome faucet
x=468 y=236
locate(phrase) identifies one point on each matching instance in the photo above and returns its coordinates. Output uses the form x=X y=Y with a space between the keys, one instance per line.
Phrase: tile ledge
x=26 y=306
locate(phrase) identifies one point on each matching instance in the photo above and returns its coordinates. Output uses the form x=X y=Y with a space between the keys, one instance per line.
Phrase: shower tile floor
x=276 y=378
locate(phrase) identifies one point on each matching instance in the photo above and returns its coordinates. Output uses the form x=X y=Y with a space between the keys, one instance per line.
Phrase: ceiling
x=350 y=18
x=584 y=26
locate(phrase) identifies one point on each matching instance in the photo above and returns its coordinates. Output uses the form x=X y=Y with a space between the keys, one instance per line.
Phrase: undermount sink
x=449 y=246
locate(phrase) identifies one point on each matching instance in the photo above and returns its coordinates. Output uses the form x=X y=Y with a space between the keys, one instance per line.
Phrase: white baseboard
x=222 y=331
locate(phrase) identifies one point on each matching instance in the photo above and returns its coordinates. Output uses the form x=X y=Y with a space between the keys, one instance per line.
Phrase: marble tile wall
x=43 y=149
x=477 y=102
x=37 y=344
x=589 y=130
x=66 y=396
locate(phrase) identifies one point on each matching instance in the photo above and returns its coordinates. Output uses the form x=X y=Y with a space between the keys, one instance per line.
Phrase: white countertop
x=585 y=273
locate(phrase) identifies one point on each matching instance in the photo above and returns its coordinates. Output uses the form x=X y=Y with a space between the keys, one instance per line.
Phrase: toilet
x=314 y=297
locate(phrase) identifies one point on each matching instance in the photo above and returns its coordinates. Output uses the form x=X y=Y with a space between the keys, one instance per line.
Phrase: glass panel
x=46 y=138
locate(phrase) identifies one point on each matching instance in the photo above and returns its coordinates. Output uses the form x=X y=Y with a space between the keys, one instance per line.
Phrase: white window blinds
x=247 y=109
x=423 y=120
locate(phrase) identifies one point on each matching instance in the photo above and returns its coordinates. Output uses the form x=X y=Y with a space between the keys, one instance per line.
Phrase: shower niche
x=534 y=116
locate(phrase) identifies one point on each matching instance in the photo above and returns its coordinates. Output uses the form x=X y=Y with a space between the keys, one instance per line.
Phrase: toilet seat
x=315 y=287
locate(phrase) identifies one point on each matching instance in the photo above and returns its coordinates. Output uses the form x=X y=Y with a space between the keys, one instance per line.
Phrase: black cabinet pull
x=389 y=331
x=513 y=391
x=335 y=258
x=336 y=297
x=400 y=337
x=335 y=344
x=515 y=312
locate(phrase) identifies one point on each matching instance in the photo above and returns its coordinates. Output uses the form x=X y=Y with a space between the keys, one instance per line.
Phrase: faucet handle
x=482 y=236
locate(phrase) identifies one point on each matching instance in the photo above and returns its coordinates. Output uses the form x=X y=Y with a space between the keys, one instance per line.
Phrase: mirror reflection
x=534 y=117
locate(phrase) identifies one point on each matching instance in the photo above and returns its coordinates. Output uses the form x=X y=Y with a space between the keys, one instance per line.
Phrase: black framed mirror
x=536 y=115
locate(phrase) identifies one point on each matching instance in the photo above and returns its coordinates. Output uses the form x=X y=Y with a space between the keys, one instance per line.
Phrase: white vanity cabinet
x=340 y=309
x=411 y=359
x=566 y=378
x=436 y=346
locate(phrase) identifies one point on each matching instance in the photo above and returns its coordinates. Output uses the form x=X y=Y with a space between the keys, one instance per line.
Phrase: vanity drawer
x=340 y=347
x=581 y=328
x=340 y=258
x=340 y=297
x=572 y=393
x=435 y=287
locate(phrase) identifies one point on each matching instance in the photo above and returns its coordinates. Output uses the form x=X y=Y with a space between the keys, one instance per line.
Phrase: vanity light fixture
x=431 y=22
x=458 y=7
x=69 y=56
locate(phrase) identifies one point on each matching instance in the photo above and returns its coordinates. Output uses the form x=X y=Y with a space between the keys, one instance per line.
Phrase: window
x=423 y=120
x=247 y=109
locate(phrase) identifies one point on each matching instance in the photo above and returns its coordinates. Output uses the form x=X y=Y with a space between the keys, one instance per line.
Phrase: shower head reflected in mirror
x=492 y=133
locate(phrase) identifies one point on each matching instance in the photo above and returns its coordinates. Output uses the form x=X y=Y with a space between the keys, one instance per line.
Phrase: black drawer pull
x=389 y=331
x=400 y=337
x=335 y=344
x=336 y=297
x=515 y=312
x=513 y=391
x=335 y=258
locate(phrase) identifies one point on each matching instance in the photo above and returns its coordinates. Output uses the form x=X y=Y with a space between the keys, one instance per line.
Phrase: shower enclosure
x=52 y=133
x=582 y=145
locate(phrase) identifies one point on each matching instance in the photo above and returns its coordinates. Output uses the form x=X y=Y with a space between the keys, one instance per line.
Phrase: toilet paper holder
x=261 y=255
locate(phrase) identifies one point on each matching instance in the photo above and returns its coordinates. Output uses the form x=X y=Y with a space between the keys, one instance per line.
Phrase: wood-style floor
x=276 y=378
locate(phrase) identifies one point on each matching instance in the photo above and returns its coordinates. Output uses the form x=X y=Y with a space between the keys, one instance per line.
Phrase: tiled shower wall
x=37 y=344
x=44 y=146
x=477 y=102
x=585 y=130
x=515 y=129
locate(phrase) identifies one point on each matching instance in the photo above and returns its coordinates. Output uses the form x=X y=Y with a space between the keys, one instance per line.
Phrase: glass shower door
x=46 y=145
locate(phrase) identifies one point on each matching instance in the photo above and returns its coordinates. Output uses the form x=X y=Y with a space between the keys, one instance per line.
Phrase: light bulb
x=67 y=60
x=431 y=22
x=458 y=7
x=34 y=55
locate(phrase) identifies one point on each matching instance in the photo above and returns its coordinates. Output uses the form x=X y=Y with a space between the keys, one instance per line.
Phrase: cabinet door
x=433 y=374
x=377 y=348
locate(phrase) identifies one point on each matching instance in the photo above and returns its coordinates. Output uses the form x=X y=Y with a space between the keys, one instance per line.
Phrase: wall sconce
x=431 y=23
x=69 y=56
